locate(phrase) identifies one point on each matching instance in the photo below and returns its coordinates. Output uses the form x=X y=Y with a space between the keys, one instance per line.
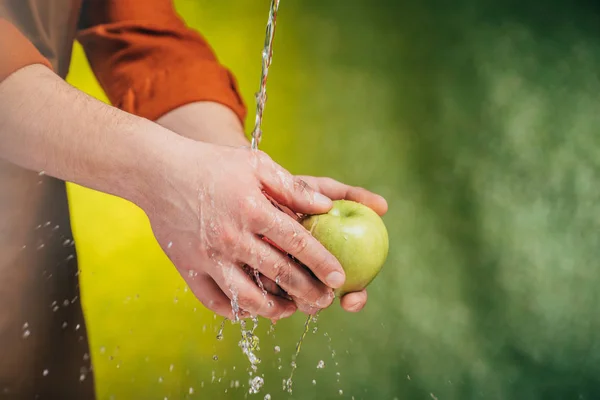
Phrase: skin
x=215 y=123
x=202 y=189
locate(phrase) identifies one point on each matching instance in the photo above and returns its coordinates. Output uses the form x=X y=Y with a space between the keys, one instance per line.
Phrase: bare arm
x=47 y=125
x=206 y=122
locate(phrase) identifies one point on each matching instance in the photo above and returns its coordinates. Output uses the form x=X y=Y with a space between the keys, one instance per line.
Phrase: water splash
x=256 y=384
x=249 y=342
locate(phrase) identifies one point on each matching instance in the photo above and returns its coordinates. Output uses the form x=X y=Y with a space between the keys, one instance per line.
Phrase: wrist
x=152 y=163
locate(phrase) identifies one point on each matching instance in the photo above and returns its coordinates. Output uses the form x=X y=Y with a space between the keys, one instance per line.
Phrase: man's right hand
x=210 y=214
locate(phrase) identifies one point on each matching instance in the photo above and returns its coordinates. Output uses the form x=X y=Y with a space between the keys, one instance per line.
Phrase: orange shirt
x=144 y=56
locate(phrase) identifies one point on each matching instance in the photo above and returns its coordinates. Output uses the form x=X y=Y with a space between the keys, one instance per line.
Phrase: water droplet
x=64 y=324
x=169 y=245
x=45 y=373
x=191 y=391
x=26 y=334
x=102 y=350
x=314 y=382
x=77 y=327
x=341 y=392
x=171 y=368
x=287 y=385
x=270 y=303
x=321 y=364
x=160 y=379
x=267 y=397
x=81 y=377
x=42 y=173
x=255 y=384
x=216 y=357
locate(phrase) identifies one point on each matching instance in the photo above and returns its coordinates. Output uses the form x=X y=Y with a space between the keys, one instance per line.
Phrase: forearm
x=206 y=122
x=47 y=125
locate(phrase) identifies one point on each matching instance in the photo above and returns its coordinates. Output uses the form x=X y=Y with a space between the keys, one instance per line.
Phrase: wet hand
x=211 y=215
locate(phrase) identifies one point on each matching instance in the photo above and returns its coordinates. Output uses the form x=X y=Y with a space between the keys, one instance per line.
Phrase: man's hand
x=214 y=123
x=210 y=213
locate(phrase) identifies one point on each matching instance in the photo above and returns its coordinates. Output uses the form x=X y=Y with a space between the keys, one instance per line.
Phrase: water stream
x=249 y=342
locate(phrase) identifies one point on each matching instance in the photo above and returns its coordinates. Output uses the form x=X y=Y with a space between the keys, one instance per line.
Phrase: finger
x=292 y=277
x=239 y=286
x=291 y=191
x=273 y=288
x=355 y=301
x=339 y=191
x=266 y=283
x=288 y=235
x=211 y=295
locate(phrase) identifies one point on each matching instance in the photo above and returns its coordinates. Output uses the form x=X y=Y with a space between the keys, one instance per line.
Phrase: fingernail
x=288 y=312
x=335 y=279
x=322 y=200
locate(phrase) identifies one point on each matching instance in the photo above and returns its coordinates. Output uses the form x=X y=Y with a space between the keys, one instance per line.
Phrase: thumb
x=291 y=191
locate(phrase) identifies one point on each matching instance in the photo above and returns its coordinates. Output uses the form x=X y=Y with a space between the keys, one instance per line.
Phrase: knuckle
x=300 y=185
x=246 y=203
x=267 y=224
x=283 y=273
x=228 y=237
x=298 y=244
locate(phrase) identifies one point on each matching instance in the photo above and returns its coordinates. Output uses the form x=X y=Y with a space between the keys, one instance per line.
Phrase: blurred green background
x=478 y=121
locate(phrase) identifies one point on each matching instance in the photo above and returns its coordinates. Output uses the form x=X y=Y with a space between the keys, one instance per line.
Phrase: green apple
x=356 y=236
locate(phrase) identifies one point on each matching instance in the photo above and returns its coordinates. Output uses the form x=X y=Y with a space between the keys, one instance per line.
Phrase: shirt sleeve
x=149 y=62
x=16 y=51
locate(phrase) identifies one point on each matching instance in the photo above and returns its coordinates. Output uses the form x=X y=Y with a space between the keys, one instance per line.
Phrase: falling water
x=249 y=342
x=267 y=54
x=287 y=384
